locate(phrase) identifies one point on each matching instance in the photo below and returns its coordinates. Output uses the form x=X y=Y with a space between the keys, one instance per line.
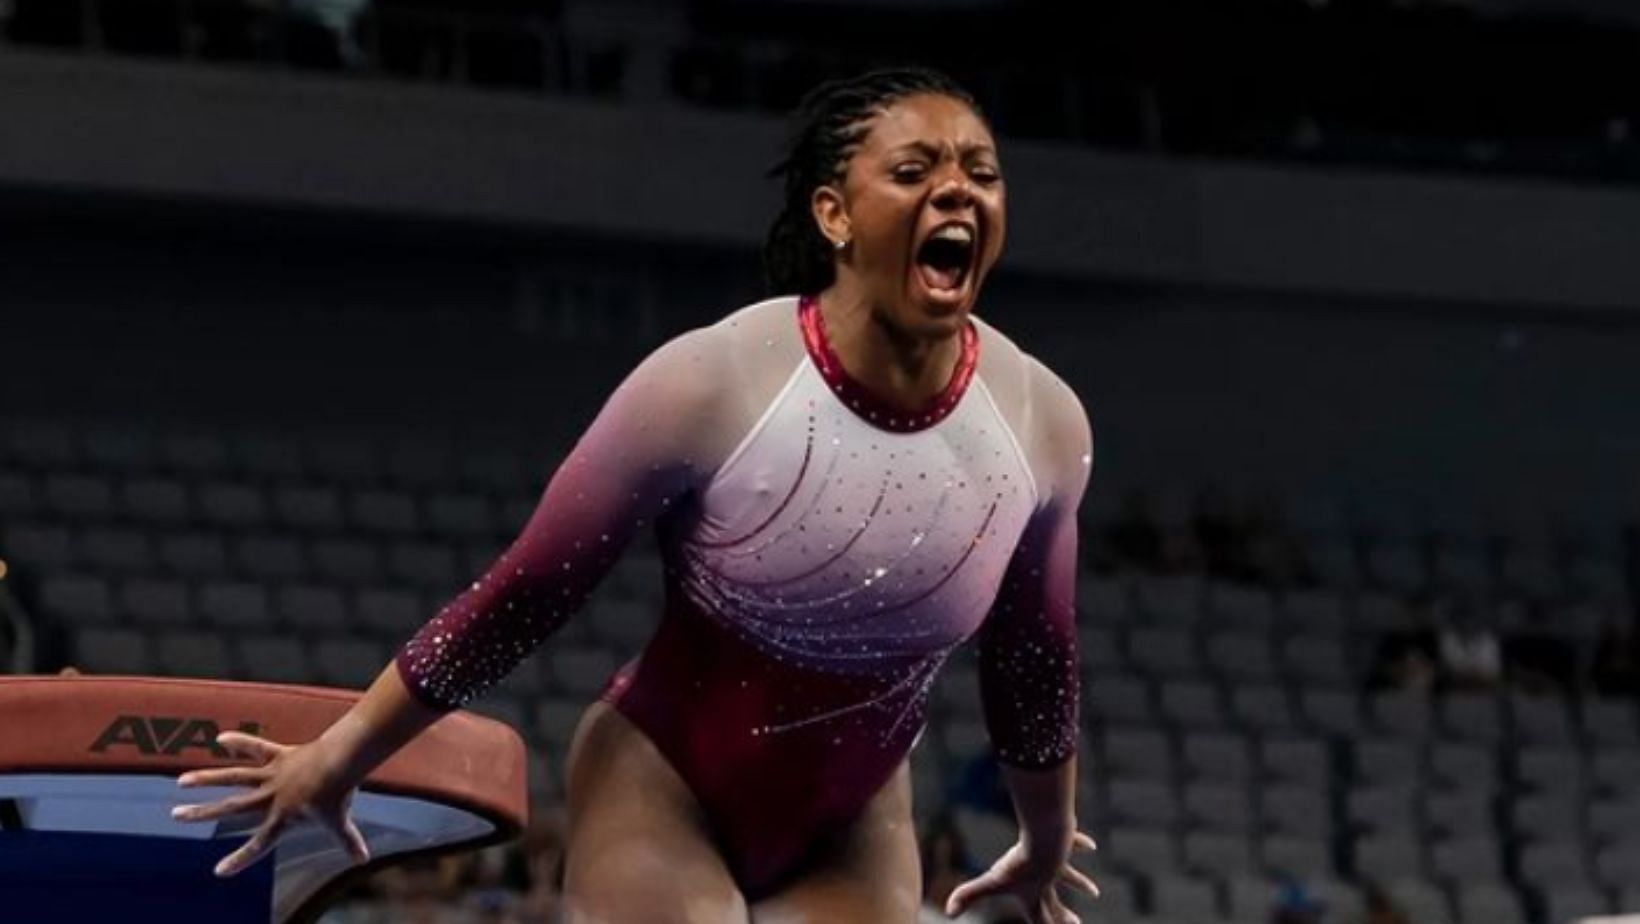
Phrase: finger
x=224 y=776
x=352 y=838
x=1075 y=878
x=1084 y=841
x=987 y=883
x=229 y=806
x=251 y=851
x=249 y=747
x=1057 y=912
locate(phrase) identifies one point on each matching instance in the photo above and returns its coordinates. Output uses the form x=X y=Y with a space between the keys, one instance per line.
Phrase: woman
x=846 y=485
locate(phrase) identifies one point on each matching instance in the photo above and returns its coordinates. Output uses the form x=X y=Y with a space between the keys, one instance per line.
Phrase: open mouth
x=945 y=260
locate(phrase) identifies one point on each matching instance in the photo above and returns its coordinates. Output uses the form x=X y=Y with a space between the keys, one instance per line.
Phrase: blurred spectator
x=543 y=858
x=321 y=33
x=1616 y=669
x=945 y=865
x=1217 y=532
x=1539 y=661
x=1295 y=905
x=979 y=785
x=1135 y=537
x=1381 y=909
x=1407 y=660
x=1270 y=555
x=45 y=22
x=1471 y=655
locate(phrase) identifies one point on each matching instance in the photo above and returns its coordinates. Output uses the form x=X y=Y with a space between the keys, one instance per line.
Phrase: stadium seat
x=311 y=607
x=235 y=505
x=1191 y=704
x=452 y=516
x=1489 y=903
x=1296 y=810
x=1241 y=657
x=273 y=659
x=1467 y=859
x=309 y=509
x=193 y=654
x=1387 y=810
x=1181 y=898
x=39 y=546
x=269 y=557
x=1541 y=720
x=194 y=555
x=1222 y=757
x=237 y=605
x=1262 y=708
x=78 y=497
x=1164 y=652
x=116 y=551
x=345 y=460
x=113 y=651
x=78 y=599
x=1388 y=857
x=1303 y=859
x=1137 y=752
x=1330 y=712
x=385 y=513
x=157 y=603
x=1219 y=807
x=196 y=454
x=18 y=496
x=1317 y=661
x=351 y=663
x=1142 y=803
x=391 y=613
x=347 y=561
x=156 y=502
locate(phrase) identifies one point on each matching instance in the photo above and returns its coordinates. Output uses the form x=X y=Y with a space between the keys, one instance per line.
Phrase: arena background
x=301 y=301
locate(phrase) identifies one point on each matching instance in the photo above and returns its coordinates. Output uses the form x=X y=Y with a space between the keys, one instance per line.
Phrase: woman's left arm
x=1029 y=678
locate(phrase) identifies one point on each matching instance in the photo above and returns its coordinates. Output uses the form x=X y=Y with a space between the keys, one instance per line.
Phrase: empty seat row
x=610 y=619
x=571 y=671
x=161 y=503
x=1120 y=699
x=415 y=463
x=57 y=554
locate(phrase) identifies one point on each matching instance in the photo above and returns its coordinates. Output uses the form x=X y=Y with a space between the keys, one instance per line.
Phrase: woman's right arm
x=656 y=438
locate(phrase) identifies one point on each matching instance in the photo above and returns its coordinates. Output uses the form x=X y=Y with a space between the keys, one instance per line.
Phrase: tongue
x=940 y=278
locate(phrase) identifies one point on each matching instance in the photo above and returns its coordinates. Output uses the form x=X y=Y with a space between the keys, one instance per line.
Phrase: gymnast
x=846 y=484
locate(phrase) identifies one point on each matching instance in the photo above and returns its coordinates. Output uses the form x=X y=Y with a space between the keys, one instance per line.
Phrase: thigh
x=871 y=873
x=638 y=848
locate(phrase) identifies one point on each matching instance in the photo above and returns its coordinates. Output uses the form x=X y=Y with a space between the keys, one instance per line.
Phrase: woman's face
x=923 y=210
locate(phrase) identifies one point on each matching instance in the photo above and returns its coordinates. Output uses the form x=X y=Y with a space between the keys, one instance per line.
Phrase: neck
x=901 y=368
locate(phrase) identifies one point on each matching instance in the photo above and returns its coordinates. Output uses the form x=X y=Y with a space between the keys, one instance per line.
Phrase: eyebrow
x=933 y=150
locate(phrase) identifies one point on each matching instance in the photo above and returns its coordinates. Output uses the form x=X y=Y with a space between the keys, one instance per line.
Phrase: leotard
x=823 y=558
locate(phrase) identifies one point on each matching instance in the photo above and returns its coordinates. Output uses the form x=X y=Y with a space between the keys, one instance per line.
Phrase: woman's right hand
x=290 y=782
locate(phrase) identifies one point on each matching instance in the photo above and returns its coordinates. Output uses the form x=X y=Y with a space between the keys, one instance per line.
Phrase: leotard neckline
x=867 y=404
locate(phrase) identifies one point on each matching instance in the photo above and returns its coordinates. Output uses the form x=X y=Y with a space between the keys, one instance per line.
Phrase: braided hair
x=797 y=258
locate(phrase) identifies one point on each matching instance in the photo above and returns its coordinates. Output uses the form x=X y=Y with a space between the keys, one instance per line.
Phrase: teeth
x=958 y=233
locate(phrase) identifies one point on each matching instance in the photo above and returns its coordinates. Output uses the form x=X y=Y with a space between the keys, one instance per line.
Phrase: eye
x=910 y=172
x=985 y=174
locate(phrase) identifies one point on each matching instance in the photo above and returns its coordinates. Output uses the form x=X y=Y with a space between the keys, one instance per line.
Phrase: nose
x=954 y=193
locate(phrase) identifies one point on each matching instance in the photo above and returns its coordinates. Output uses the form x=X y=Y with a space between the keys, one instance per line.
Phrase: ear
x=831 y=214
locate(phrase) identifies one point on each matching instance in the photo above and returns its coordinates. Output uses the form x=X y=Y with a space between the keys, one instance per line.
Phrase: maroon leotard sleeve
x=1027 y=649
x=629 y=466
x=1030 y=680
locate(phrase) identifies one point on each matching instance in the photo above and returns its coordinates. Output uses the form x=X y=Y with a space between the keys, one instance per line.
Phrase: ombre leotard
x=822 y=561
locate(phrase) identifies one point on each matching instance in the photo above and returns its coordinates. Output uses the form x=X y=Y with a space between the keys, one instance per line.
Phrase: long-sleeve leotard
x=825 y=553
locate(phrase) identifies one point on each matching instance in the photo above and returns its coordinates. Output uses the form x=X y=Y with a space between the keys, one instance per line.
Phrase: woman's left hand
x=1034 y=881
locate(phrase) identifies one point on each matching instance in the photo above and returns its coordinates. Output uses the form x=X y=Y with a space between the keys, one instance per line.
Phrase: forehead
x=929 y=119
